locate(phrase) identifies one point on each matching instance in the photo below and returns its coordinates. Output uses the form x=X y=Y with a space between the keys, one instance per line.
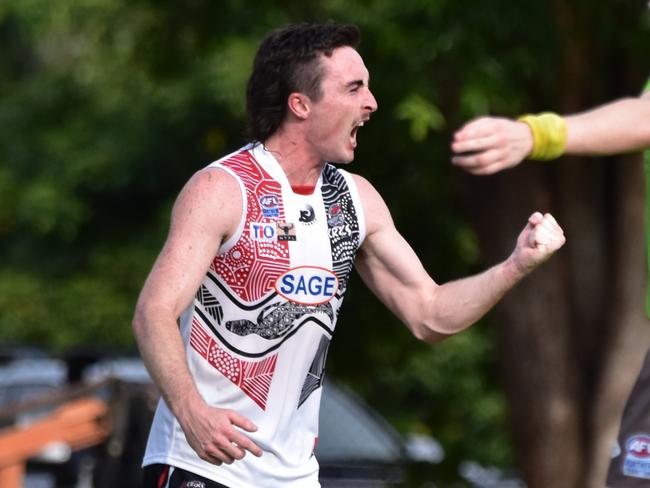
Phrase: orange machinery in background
x=79 y=423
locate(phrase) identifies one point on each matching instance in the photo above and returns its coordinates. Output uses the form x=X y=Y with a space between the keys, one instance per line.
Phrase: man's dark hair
x=286 y=62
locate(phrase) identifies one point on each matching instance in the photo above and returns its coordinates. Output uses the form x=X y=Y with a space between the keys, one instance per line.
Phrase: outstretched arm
x=390 y=268
x=204 y=215
x=490 y=144
x=621 y=126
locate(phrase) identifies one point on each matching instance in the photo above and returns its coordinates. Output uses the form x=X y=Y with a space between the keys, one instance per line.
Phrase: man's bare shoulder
x=374 y=208
x=365 y=188
x=211 y=186
x=211 y=179
x=213 y=197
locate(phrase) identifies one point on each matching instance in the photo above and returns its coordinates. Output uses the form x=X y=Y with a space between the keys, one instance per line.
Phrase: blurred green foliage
x=108 y=106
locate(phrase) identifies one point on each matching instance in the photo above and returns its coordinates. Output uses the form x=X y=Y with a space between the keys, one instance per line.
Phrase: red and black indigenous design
x=259 y=329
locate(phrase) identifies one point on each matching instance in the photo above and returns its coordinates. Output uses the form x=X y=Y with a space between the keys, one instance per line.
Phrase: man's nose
x=371 y=102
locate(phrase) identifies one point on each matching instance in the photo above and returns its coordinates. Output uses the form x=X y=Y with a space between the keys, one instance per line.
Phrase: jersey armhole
x=227 y=245
x=358 y=204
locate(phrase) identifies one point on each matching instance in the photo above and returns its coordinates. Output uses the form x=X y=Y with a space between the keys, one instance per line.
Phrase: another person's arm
x=490 y=144
x=204 y=215
x=391 y=269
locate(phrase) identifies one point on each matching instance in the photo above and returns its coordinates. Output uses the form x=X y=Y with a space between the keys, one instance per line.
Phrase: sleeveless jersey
x=258 y=331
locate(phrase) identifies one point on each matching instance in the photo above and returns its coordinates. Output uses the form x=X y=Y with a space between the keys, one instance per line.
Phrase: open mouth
x=353 y=133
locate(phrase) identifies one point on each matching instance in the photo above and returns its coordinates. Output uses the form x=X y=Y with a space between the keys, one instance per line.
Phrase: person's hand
x=215 y=435
x=541 y=237
x=489 y=144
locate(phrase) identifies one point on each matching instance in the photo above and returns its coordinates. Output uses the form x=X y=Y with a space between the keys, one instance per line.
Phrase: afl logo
x=269 y=201
x=270 y=205
x=307 y=285
x=638 y=446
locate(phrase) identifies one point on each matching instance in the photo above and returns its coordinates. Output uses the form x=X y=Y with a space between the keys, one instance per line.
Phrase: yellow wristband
x=549 y=135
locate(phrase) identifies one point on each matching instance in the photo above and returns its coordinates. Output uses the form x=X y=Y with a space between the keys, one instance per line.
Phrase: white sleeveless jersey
x=258 y=331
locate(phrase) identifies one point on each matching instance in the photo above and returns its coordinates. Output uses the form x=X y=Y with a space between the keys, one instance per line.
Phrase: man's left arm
x=392 y=270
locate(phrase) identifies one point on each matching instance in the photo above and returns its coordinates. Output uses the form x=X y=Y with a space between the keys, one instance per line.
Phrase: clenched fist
x=541 y=237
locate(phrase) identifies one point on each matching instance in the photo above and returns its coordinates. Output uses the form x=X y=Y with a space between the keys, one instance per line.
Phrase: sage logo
x=307 y=285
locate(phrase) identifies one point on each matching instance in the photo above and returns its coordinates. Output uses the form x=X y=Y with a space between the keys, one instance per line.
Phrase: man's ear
x=299 y=105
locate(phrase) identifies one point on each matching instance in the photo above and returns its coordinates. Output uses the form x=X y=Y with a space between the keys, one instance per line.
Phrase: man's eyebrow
x=354 y=84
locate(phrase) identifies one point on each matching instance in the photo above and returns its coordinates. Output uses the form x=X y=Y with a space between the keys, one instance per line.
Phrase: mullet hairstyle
x=287 y=61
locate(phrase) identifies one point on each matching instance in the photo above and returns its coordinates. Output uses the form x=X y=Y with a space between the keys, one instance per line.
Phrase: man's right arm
x=205 y=214
x=490 y=144
x=390 y=268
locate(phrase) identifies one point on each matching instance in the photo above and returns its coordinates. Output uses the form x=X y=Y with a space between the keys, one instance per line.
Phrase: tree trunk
x=572 y=334
x=535 y=341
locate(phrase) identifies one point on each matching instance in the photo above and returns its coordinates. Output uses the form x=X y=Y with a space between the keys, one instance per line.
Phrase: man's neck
x=302 y=166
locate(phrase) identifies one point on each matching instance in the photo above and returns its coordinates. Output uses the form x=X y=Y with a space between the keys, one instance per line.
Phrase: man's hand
x=541 y=237
x=212 y=432
x=489 y=144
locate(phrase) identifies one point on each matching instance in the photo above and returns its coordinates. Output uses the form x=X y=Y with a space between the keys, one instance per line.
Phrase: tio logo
x=260 y=231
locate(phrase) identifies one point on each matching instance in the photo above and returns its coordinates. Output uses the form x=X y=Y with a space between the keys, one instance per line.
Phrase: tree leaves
x=423 y=116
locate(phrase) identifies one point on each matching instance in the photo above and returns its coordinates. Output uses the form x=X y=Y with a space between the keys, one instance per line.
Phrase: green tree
x=108 y=106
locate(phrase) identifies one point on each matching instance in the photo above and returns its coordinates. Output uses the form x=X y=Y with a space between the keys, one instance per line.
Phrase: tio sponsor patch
x=307 y=285
x=272 y=231
x=263 y=231
x=637 y=456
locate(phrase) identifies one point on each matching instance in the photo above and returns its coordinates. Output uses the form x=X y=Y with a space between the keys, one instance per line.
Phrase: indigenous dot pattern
x=245 y=275
x=276 y=320
x=224 y=362
x=344 y=231
x=252 y=377
x=251 y=267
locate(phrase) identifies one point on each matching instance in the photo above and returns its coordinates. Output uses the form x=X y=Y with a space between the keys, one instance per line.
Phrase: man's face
x=346 y=103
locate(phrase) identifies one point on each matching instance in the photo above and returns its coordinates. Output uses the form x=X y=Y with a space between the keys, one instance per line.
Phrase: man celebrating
x=256 y=265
